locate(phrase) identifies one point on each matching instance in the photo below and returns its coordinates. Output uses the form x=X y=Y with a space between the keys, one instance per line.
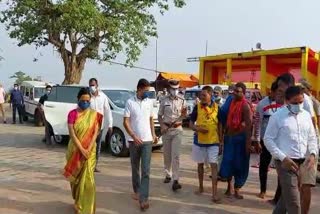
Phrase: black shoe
x=5 y=122
x=176 y=186
x=167 y=180
x=97 y=170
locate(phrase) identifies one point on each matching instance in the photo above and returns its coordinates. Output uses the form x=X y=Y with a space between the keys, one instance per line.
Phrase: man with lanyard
x=264 y=110
x=171 y=113
x=44 y=98
x=99 y=102
x=204 y=122
x=290 y=138
x=308 y=179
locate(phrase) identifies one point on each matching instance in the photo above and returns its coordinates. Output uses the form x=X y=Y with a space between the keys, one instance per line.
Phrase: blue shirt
x=16 y=97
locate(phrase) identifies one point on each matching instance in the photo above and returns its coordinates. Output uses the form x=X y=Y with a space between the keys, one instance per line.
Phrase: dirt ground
x=31 y=181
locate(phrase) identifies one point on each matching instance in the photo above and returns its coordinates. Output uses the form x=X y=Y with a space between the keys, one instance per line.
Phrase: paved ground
x=31 y=181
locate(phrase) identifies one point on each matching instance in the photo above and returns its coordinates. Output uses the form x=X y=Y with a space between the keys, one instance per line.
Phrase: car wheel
x=60 y=139
x=117 y=144
x=38 y=119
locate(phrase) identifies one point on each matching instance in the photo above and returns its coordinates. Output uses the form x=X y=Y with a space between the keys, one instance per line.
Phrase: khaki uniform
x=170 y=110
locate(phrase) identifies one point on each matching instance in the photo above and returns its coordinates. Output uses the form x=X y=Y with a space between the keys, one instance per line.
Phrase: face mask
x=174 y=92
x=48 y=92
x=15 y=88
x=93 y=89
x=217 y=97
x=296 y=108
x=144 y=95
x=83 y=104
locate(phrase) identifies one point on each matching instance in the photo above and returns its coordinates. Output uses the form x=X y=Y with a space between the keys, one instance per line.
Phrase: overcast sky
x=228 y=25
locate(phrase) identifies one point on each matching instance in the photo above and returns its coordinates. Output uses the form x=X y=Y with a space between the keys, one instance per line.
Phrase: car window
x=38 y=92
x=191 y=95
x=67 y=94
x=53 y=95
x=119 y=97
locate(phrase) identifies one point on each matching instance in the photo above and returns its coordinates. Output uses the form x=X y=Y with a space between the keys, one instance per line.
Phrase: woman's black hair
x=293 y=91
x=83 y=91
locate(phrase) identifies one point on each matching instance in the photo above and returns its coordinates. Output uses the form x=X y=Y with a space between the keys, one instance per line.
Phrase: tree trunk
x=73 y=67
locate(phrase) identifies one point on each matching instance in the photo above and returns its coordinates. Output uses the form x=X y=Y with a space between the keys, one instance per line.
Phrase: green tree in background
x=20 y=77
x=85 y=29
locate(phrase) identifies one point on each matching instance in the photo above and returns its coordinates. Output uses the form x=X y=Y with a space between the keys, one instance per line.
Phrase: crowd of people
x=283 y=127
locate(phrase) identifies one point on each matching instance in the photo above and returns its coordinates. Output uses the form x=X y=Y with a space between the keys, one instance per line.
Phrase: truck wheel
x=38 y=119
x=117 y=144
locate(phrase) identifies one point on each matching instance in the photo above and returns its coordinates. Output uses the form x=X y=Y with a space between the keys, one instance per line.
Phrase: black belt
x=299 y=161
x=174 y=125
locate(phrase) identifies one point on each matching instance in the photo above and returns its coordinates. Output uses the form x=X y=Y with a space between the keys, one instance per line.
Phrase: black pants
x=15 y=108
x=265 y=160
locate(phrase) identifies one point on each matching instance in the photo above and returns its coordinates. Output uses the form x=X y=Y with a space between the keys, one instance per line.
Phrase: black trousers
x=15 y=108
x=265 y=160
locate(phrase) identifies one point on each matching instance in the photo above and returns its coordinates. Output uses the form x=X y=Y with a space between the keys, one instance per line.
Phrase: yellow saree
x=78 y=170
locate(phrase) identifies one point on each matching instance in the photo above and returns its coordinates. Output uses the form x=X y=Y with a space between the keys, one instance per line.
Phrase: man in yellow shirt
x=204 y=121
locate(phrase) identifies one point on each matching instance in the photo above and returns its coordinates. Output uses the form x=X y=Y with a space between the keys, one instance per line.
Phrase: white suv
x=63 y=99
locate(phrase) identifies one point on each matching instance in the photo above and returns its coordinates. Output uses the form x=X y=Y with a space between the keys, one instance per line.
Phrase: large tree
x=85 y=29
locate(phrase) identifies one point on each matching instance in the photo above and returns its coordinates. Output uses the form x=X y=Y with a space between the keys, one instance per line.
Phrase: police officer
x=171 y=113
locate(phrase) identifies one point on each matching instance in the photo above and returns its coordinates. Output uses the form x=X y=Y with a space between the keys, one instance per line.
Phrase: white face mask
x=296 y=108
x=93 y=89
x=15 y=88
x=174 y=92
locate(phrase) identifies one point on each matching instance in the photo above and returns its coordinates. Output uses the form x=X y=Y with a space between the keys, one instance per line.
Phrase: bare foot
x=135 y=196
x=199 y=191
x=216 y=200
x=262 y=195
x=228 y=193
x=238 y=196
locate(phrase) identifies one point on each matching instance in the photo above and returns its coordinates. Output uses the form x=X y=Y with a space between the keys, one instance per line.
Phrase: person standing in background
x=2 y=101
x=217 y=96
x=42 y=100
x=99 y=102
x=17 y=102
x=171 y=113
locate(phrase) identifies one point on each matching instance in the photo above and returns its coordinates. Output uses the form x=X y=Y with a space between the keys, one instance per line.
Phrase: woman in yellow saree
x=84 y=125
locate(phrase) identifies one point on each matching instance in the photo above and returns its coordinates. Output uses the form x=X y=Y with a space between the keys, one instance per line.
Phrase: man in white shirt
x=99 y=102
x=138 y=122
x=307 y=179
x=290 y=138
x=2 y=101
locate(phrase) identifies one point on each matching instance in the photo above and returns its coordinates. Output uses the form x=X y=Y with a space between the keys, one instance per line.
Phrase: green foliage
x=20 y=77
x=81 y=29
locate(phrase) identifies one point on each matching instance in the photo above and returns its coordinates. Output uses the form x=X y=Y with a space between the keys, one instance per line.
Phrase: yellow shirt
x=207 y=118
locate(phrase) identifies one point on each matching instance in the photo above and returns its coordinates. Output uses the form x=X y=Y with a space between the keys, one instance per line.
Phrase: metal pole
x=156 y=65
x=206 y=47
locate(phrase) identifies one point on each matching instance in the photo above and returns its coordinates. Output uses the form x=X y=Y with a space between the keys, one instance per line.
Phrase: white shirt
x=290 y=135
x=2 y=95
x=139 y=113
x=308 y=105
x=100 y=103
